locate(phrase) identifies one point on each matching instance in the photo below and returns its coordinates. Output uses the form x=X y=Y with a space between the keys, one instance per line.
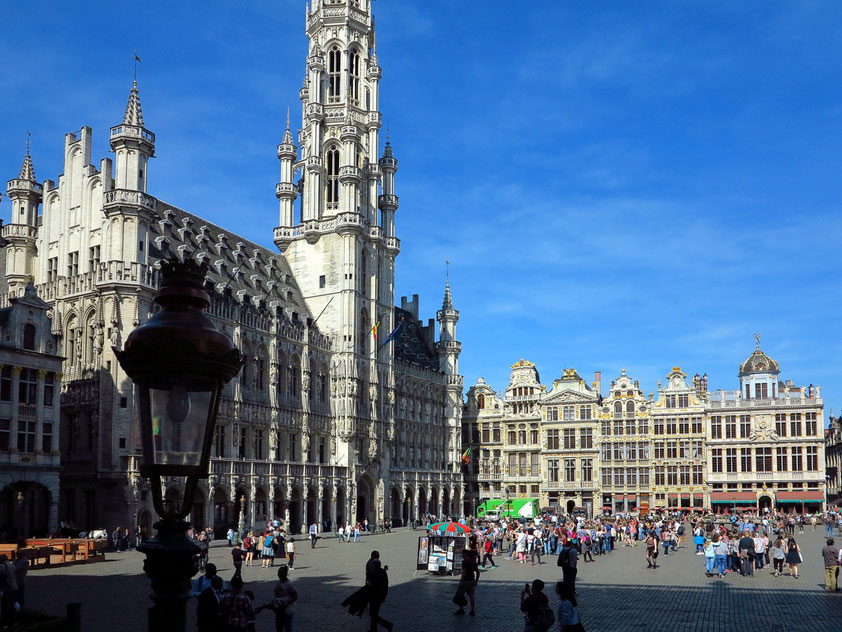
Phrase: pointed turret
x=133 y=145
x=388 y=201
x=285 y=190
x=27 y=171
x=21 y=232
x=449 y=348
x=133 y=115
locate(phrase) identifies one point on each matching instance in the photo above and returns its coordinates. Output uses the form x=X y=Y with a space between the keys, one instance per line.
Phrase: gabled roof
x=410 y=343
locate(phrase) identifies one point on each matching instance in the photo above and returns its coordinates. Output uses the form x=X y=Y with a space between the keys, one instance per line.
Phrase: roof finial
x=388 y=135
x=28 y=136
x=287 y=117
x=757 y=340
x=447 y=272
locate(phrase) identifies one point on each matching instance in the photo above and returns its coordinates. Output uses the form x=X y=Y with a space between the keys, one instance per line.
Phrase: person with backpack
x=568 y=561
x=534 y=603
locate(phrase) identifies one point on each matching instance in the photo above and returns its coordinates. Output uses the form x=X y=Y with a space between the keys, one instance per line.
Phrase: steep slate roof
x=235 y=264
x=411 y=345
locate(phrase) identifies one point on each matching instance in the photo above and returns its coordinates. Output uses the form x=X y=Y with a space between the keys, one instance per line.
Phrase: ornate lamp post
x=179 y=363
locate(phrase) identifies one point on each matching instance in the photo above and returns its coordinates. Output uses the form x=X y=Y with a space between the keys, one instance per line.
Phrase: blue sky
x=617 y=185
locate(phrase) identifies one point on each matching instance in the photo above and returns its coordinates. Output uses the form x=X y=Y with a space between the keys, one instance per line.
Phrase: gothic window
x=280 y=386
x=334 y=75
x=630 y=409
x=355 y=77
x=618 y=409
x=313 y=386
x=29 y=337
x=322 y=385
x=91 y=341
x=70 y=341
x=293 y=378
x=332 y=183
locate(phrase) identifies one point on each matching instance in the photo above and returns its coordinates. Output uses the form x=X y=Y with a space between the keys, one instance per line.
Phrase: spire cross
x=757 y=340
x=136 y=61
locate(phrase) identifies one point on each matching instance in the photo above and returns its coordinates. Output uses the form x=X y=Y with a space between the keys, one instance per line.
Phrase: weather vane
x=136 y=62
x=447 y=269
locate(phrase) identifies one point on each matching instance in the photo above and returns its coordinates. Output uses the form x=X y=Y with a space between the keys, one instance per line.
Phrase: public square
x=617 y=592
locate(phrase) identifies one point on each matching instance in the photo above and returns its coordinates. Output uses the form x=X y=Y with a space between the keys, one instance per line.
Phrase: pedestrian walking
x=468 y=581
x=377 y=582
x=651 y=550
x=746 y=548
x=314 y=535
x=830 y=554
x=284 y=596
x=793 y=557
x=778 y=552
x=291 y=552
x=237 y=556
x=230 y=537
x=488 y=556
x=568 y=561
x=710 y=557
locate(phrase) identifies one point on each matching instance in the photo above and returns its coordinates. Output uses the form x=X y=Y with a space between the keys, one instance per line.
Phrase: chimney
x=597 y=378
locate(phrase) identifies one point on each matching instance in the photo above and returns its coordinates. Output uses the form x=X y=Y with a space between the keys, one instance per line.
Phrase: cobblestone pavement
x=617 y=592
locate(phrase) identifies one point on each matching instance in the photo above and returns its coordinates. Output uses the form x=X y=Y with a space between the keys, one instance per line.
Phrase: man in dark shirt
x=830 y=554
x=568 y=560
x=531 y=602
x=746 y=554
x=468 y=581
x=237 y=556
x=377 y=582
x=207 y=612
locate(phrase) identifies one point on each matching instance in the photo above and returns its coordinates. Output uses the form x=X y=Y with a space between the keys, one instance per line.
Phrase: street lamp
x=179 y=363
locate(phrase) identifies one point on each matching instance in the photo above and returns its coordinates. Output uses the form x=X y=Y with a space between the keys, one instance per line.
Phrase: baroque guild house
x=325 y=422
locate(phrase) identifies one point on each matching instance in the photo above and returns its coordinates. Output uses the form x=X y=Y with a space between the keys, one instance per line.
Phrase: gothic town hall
x=325 y=422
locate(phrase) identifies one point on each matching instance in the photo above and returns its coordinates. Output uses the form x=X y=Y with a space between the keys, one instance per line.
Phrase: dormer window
x=29 y=337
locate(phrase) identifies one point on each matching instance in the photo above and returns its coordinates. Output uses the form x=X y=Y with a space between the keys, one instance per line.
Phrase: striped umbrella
x=449 y=527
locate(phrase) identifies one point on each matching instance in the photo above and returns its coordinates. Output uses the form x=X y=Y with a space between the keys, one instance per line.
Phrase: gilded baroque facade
x=759 y=446
x=324 y=423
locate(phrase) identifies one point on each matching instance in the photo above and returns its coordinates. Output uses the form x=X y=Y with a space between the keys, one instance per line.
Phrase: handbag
x=459 y=599
x=800 y=557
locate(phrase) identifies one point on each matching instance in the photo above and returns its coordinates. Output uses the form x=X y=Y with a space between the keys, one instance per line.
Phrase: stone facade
x=325 y=422
x=30 y=390
x=757 y=446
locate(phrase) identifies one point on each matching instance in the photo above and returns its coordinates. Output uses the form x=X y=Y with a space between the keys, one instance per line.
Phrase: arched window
x=322 y=384
x=90 y=342
x=481 y=402
x=281 y=377
x=364 y=272
x=618 y=409
x=260 y=374
x=29 y=337
x=70 y=341
x=334 y=75
x=630 y=409
x=332 y=196
x=355 y=77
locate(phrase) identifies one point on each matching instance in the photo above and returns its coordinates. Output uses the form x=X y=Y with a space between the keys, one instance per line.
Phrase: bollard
x=74 y=616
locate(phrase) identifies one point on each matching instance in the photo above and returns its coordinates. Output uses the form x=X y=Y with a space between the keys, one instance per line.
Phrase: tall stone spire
x=448 y=300
x=27 y=171
x=133 y=115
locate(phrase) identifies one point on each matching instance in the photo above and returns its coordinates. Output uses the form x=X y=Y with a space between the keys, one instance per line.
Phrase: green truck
x=497 y=508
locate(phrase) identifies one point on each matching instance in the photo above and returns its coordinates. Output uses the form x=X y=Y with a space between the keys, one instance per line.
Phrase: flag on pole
x=466 y=456
x=373 y=330
x=392 y=335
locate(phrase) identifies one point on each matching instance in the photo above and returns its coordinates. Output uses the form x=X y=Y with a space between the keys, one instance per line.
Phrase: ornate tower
x=340 y=242
x=22 y=232
x=127 y=207
x=449 y=349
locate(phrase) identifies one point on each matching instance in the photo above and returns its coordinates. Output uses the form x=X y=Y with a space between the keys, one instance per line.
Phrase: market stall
x=440 y=551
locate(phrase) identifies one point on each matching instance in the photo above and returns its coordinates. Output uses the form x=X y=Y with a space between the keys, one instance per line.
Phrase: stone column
x=39 y=411
x=56 y=412
x=13 y=424
x=286 y=515
x=333 y=524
